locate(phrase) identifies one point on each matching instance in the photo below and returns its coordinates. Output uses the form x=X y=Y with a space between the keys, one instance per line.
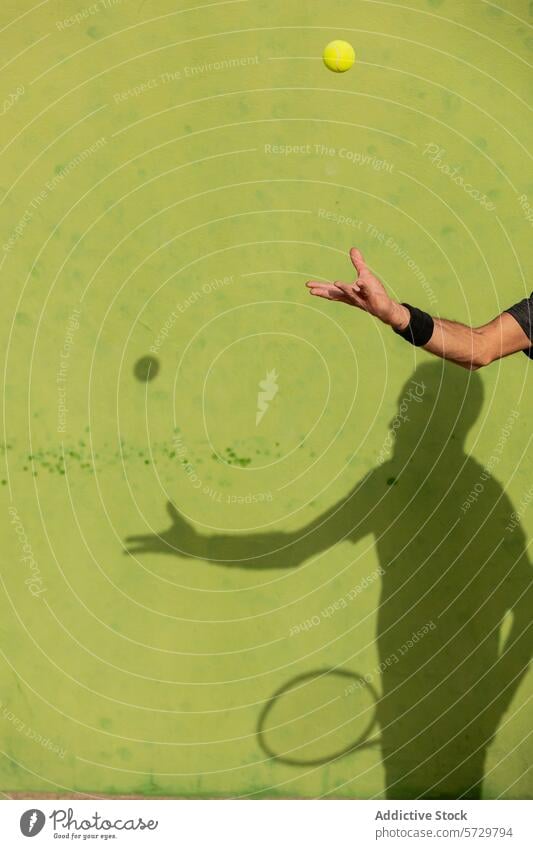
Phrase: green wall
x=170 y=178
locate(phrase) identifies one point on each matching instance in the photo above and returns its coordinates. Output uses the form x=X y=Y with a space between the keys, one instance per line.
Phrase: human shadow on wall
x=454 y=563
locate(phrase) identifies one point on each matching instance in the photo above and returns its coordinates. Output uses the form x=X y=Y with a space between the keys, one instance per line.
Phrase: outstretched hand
x=367 y=293
x=181 y=538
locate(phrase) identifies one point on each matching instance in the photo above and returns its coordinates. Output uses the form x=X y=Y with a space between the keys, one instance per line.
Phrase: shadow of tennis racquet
x=318 y=717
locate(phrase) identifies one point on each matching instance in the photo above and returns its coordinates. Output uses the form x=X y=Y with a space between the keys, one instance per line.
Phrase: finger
x=358 y=302
x=314 y=286
x=344 y=290
x=139 y=538
x=352 y=286
x=358 y=260
x=352 y=295
x=349 y=290
x=340 y=298
x=319 y=284
x=330 y=293
x=171 y=510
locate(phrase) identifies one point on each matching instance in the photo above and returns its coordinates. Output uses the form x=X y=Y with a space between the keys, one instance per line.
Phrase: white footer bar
x=266 y=824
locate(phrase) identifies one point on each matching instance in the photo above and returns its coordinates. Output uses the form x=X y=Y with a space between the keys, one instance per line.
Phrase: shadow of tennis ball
x=318 y=717
x=146 y=369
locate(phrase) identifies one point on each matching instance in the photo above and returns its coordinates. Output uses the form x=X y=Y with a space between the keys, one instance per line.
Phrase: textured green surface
x=151 y=672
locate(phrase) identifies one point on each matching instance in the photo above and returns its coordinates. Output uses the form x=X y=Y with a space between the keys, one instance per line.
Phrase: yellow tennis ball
x=338 y=56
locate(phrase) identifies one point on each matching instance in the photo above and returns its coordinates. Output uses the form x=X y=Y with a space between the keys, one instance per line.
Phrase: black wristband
x=420 y=328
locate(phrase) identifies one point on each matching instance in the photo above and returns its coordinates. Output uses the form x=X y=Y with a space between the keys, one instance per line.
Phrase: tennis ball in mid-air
x=338 y=56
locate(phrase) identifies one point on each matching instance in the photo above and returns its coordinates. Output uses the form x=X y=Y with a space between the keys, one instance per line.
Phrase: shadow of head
x=437 y=407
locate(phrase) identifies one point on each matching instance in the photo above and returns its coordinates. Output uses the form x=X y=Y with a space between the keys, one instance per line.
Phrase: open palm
x=367 y=292
x=181 y=538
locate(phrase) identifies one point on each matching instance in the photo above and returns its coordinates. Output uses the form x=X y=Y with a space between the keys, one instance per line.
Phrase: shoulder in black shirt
x=522 y=312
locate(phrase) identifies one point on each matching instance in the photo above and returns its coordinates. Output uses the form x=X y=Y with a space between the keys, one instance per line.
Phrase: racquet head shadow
x=299 y=693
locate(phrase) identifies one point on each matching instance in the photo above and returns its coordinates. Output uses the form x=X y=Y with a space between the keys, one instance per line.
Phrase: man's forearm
x=463 y=345
x=450 y=340
x=469 y=347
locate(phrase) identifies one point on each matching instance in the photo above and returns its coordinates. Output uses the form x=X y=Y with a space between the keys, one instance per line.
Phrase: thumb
x=358 y=260
x=172 y=512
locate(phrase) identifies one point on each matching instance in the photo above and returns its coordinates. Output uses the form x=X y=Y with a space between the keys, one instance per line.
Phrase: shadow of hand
x=181 y=538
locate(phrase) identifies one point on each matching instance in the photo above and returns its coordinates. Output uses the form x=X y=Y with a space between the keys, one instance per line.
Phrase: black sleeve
x=522 y=312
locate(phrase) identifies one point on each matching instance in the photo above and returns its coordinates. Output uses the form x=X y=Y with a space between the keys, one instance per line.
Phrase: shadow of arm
x=347 y=519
